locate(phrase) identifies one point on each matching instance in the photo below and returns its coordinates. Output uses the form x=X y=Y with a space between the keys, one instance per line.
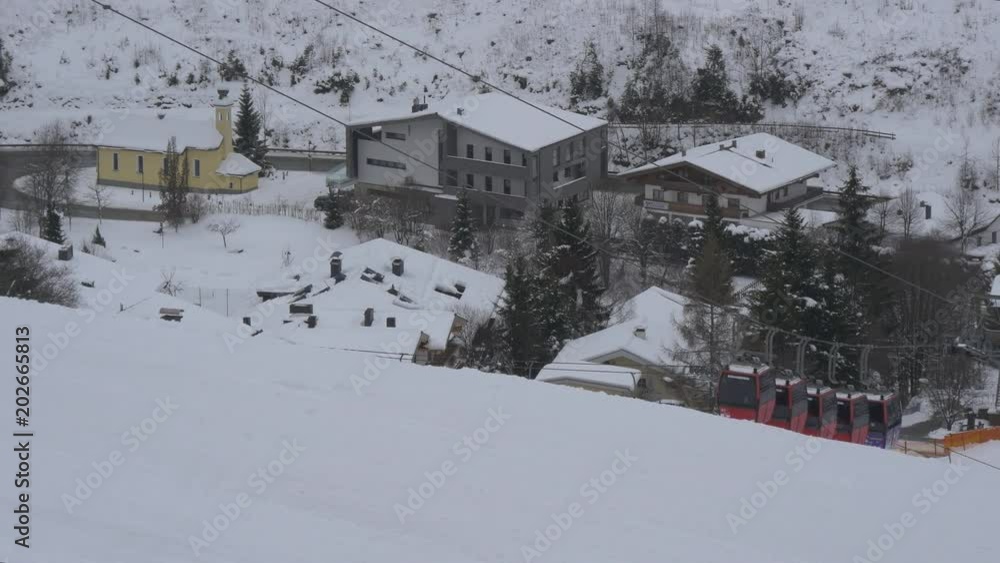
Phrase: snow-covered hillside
x=282 y=453
x=923 y=69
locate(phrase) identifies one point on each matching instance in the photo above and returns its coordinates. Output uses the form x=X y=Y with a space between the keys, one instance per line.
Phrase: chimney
x=722 y=146
x=246 y=321
x=684 y=152
x=734 y=144
x=390 y=322
x=397 y=266
x=418 y=106
x=336 y=265
x=461 y=111
x=640 y=332
x=223 y=93
x=761 y=154
x=311 y=321
x=369 y=316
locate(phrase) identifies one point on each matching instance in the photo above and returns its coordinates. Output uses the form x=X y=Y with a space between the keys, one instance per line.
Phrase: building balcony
x=800 y=201
x=687 y=208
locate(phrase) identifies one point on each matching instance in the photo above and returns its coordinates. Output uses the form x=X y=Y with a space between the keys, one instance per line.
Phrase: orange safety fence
x=971 y=437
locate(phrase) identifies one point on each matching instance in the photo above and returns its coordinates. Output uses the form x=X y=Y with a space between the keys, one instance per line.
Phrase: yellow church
x=131 y=155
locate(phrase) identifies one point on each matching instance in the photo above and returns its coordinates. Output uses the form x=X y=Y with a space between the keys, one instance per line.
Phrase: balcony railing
x=687 y=208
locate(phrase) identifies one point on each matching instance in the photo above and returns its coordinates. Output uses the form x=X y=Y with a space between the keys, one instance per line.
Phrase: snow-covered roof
x=783 y=163
x=428 y=282
x=237 y=165
x=503 y=118
x=614 y=377
x=392 y=343
x=150 y=133
x=654 y=310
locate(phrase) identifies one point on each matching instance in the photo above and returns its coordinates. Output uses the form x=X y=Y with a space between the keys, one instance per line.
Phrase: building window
x=657 y=194
x=470 y=151
x=994 y=237
x=451 y=178
x=197 y=168
x=230 y=184
x=488 y=154
x=396 y=136
x=555 y=175
x=506 y=186
x=784 y=192
x=555 y=156
x=506 y=156
x=114 y=162
x=979 y=241
x=524 y=159
x=682 y=197
x=578 y=170
x=567 y=173
x=139 y=164
x=386 y=163
x=733 y=203
x=470 y=180
x=489 y=183
x=572 y=150
x=569 y=151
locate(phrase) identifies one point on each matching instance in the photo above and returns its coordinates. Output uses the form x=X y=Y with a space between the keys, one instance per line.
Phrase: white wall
x=421 y=144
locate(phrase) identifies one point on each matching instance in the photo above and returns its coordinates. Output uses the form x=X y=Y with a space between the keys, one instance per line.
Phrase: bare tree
x=225 y=228
x=609 y=215
x=169 y=285
x=965 y=213
x=197 y=207
x=953 y=386
x=52 y=178
x=883 y=211
x=908 y=210
x=99 y=195
x=26 y=272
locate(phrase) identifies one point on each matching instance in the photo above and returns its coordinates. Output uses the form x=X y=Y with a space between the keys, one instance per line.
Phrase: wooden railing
x=688 y=208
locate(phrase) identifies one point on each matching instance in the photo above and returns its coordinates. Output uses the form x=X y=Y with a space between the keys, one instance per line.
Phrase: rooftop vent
x=390 y=322
x=160 y=115
x=300 y=309
x=733 y=146
x=397 y=266
x=761 y=154
x=418 y=105
x=640 y=332
x=722 y=146
x=66 y=252
x=311 y=321
x=369 y=316
x=461 y=111
x=336 y=266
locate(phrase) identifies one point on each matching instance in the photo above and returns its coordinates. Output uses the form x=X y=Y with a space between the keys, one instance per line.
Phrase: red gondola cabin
x=852 y=418
x=791 y=404
x=747 y=393
x=885 y=418
x=822 y=418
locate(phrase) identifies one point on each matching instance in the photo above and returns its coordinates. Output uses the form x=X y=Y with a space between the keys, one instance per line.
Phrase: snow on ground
x=275 y=453
x=988 y=452
x=294 y=188
x=221 y=279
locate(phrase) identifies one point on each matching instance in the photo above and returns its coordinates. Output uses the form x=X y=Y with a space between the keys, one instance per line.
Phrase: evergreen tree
x=790 y=282
x=587 y=79
x=576 y=265
x=232 y=68
x=518 y=331
x=331 y=205
x=98 y=239
x=173 y=186
x=52 y=231
x=856 y=244
x=710 y=322
x=463 y=246
x=249 y=141
x=713 y=225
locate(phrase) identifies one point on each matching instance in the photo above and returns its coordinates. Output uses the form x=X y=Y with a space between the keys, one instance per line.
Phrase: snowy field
x=221 y=279
x=276 y=453
x=285 y=187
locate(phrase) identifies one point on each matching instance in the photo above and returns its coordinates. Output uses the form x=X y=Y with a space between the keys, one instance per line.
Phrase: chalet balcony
x=811 y=194
x=686 y=208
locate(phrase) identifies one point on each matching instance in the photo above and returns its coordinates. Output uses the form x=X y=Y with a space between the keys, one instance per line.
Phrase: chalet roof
x=503 y=118
x=760 y=162
x=613 y=377
x=236 y=164
x=647 y=332
x=150 y=133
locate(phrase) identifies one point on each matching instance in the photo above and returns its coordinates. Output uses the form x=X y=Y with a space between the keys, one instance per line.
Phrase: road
x=17 y=162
